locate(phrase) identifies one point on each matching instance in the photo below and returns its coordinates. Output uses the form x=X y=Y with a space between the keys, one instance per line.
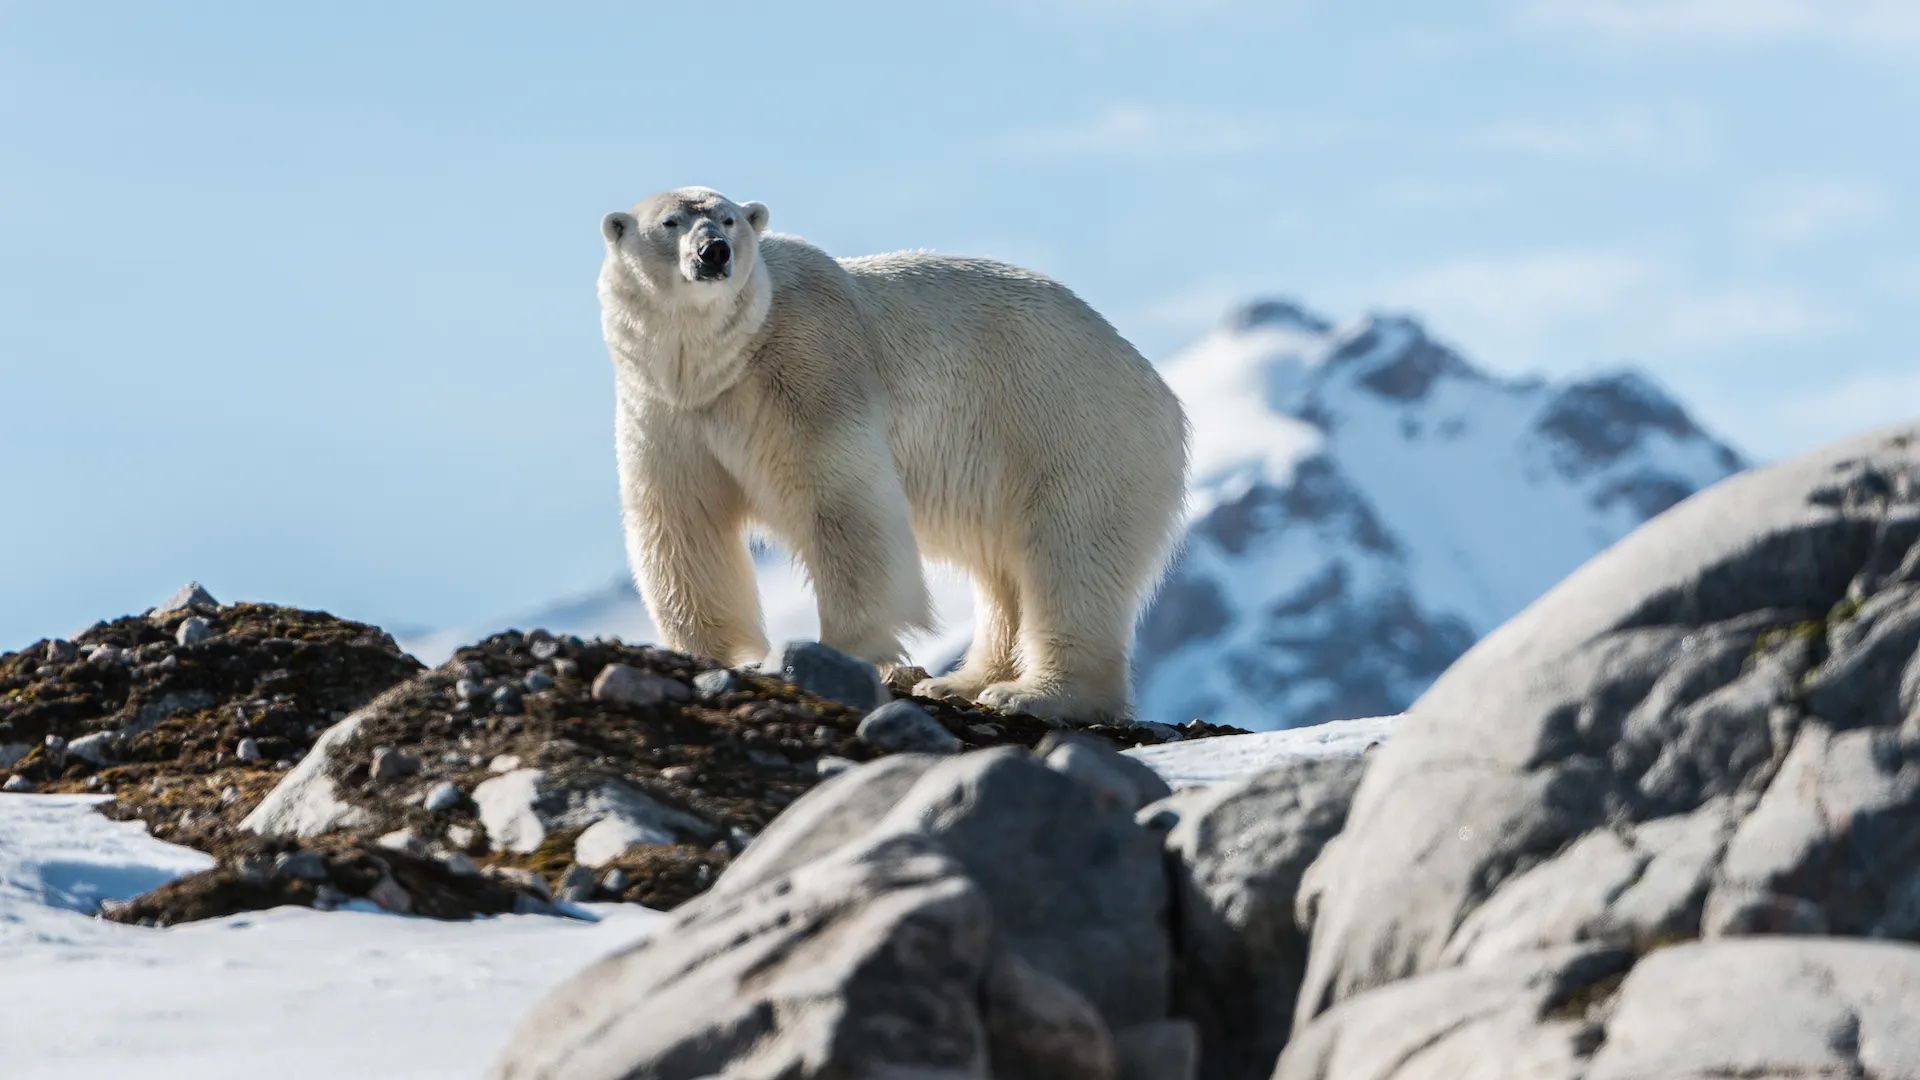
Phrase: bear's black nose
x=715 y=253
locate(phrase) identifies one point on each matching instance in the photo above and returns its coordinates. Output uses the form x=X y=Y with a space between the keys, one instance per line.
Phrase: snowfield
x=295 y=993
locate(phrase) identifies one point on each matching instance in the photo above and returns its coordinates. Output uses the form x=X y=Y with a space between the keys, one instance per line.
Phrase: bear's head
x=691 y=244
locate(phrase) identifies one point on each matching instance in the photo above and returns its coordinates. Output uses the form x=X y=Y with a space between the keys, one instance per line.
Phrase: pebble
x=105 y=654
x=248 y=750
x=712 y=684
x=19 y=785
x=60 y=650
x=544 y=650
x=525 y=879
x=193 y=631
x=615 y=881
x=301 y=866
x=96 y=748
x=503 y=763
x=56 y=750
x=678 y=773
x=576 y=885
x=442 y=797
x=537 y=681
x=461 y=835
x=767 y=759
x=459 y=865
x=628 y=685
x=391 y=763
x=326 y=897
x=906 y=728
x=985 y=731
x=390 y=896
x=468 y=689
x=832 y=766
x=506 y=700
x=167 y=662
x=566 y=668
x=403 y=840
x=229 y=795
x=738 y=838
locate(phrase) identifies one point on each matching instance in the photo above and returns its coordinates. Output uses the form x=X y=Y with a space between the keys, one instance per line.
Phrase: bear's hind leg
x=996 y=640
x=1077 y=610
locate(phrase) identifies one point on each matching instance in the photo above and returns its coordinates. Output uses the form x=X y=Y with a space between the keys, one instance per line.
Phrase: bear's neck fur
x=683 y=353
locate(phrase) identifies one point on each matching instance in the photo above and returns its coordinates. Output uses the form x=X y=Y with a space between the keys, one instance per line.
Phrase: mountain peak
x=1277 y=313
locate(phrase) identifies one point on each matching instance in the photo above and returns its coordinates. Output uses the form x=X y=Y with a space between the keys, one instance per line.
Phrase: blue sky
x=298 y=299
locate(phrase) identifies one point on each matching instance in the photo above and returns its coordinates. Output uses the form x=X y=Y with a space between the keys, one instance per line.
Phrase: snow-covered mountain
x=1366 y=503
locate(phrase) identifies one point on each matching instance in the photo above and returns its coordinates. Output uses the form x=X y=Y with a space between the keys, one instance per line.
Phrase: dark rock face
x=1708 y=731
x=1599 y=419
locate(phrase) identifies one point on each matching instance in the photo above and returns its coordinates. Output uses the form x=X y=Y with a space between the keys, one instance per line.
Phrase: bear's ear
x=756 y=216
x=616 y=225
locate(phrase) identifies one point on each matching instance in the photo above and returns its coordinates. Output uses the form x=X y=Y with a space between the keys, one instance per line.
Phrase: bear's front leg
x=687 y=549
x=859 y=550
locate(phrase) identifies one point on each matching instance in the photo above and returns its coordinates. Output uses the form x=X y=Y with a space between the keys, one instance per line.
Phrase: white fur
x=868 y=412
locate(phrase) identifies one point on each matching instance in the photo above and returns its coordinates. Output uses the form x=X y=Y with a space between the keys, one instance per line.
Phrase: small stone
x=61 y=651
x=906 y=728
x=254 y=870
x=537 y=681
x=326 y=897
x=712 y=684
x=442 y=797
x=56 y=750
x=248 y=750
x=615 y=881
x=832 y=766
x=679 y=774
x=523 y=879
x=738 y=838
x=830 y=673
x=459 y=865
x=19 y=785
x=904 y=677
x=506 y=700
x=628 y=685
x=503 y=763
x=300 y=866
x=565 y=668
x=390 y=896
x=768 y=759
x=461 y=836
x=167 y=663
x=104 y=655
x=191 y=596
x=193 y=631
x=403 y=840
x=392 y=763
x=544 y=650
x=576 y=885
x=97 y=748
x=229 y=795
x=469 y=690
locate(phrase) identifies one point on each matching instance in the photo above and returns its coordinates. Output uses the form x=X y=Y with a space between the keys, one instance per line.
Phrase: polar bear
x=870 y=411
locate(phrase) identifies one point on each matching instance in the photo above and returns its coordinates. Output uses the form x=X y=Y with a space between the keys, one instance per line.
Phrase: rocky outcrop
x=1712 y=731
x=997 y=914
x=530 y=767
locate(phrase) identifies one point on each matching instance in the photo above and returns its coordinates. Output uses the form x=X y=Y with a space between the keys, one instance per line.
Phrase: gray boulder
x=1708 y=730
x=1076 y=888
x=867 y=964
x=830 y=673
x=1240 y=851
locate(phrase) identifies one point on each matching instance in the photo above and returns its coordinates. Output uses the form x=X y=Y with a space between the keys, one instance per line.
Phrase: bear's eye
x=729 y=223
x=670 y=223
